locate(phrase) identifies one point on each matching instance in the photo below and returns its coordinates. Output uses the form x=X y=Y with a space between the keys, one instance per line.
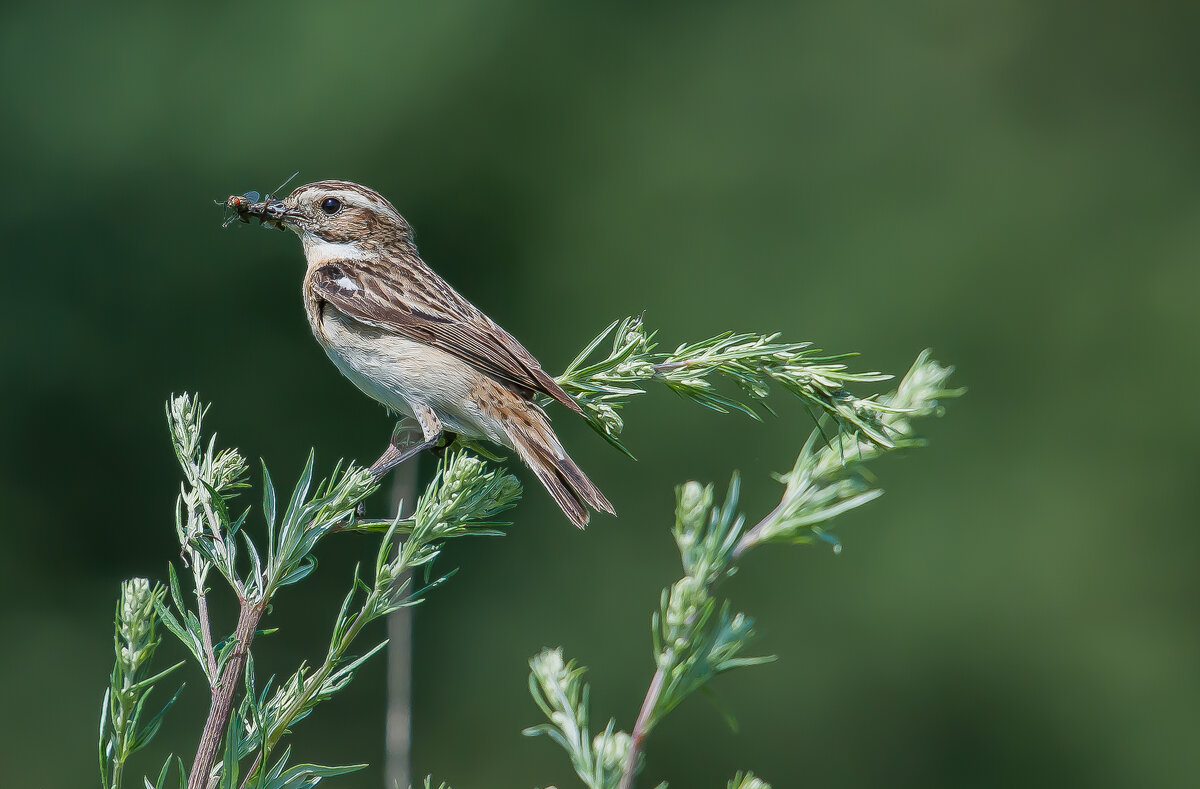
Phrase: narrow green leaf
x=300 y=492
x=178 y=630
x=103 y=751
x=176 y=594
x=145 y=683
x=268 y=507
x=151 y=728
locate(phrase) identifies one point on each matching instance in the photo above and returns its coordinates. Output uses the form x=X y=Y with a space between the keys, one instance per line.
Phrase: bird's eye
x=331 y=205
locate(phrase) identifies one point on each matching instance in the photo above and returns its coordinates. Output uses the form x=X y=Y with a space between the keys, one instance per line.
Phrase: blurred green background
x=1011 y=183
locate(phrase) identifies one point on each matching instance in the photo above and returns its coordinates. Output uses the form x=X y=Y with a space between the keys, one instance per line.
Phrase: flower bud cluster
x=227 y=470
x=136 y=618
x=466 y=490
x=184 y=416
x=354 y=486
x=558 y=688
x=607 y=416
x=610 y=749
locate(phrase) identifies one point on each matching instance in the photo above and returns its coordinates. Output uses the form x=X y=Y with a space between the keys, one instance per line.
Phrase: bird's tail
x=535 y=442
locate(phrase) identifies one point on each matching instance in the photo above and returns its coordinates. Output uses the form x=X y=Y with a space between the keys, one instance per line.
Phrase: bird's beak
x=279 y=211
x=276 y=212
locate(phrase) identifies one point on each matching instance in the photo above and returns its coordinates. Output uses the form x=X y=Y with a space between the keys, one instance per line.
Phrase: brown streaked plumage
x=406 y=338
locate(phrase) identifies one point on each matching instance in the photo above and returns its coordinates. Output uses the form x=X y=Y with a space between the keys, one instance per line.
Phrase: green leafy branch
x=698 y=636
x=558 y=688
x=466 y=498
x=135 y=642
x=463 y=499
x=751 y=361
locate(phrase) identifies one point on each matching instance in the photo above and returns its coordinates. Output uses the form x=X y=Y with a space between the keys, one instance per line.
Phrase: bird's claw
x=447 y=440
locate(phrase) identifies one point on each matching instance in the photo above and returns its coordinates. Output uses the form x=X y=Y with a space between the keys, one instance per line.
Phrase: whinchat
x=407 y=339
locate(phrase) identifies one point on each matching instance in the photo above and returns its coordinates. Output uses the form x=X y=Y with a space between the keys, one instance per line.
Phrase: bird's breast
x=399 y=372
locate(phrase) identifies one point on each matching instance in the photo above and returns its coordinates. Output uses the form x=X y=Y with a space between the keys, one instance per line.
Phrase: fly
x=244 y=207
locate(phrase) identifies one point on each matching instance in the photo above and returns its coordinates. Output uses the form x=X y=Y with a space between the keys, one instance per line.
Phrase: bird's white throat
x=317 y=250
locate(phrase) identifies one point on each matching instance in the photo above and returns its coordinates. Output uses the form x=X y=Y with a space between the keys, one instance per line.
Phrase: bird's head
x=338 y=219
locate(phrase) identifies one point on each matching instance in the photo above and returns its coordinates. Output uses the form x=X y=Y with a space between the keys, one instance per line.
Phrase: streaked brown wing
x=423 y=308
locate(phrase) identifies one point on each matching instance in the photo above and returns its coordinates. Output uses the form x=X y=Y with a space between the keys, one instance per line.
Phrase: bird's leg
x=399 y=450
x=402 y=439
x=394 y=456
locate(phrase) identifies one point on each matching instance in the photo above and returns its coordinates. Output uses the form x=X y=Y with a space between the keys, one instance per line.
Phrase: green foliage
x=697 y=635
x=465 y=498
x=164 y=775
x=751 y=361
x=558 y=688
x=828 y=477
x=135 y=642
x=462 y=500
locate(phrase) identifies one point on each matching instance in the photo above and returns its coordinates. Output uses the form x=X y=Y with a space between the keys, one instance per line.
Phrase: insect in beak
x=238 y=207
x=275 y=212
x=269 y=211
x=245 y=207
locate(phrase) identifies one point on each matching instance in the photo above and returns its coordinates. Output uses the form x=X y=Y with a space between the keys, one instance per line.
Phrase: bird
x=410 y=341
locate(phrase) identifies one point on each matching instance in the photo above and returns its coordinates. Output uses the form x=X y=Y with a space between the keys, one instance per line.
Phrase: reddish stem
x=222 y=697
x=641 y=728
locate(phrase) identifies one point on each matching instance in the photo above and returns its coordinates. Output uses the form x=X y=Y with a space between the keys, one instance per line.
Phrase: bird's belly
x=401 y=373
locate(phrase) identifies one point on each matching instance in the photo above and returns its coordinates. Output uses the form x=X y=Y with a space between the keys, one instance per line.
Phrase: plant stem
x=398 y=725
x=312 y=686
x=222 y=696
x=205 y=627
x=258 y=757
x=750 y=538
x=642 y=727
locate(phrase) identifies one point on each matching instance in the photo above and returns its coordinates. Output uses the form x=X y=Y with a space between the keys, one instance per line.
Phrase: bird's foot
x=445 y=441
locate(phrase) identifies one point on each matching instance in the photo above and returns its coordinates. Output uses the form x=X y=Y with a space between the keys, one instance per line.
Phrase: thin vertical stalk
x=398 y=745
